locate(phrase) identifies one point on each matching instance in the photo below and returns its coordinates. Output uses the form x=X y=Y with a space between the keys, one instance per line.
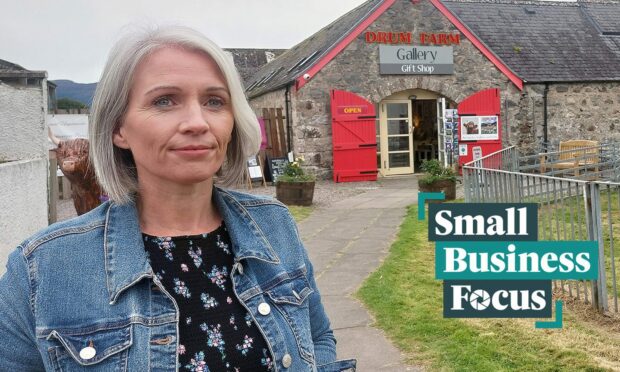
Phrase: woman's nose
x=194 y=120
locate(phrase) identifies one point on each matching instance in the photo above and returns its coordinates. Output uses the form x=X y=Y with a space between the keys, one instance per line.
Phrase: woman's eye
x=163 y=101
x=215 y=102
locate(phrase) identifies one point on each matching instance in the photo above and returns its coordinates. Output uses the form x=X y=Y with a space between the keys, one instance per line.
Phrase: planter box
x=295 y=193
x=447 y=187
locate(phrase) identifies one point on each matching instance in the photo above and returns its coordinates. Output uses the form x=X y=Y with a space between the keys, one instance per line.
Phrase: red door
x=480 y=129
x=354 y=137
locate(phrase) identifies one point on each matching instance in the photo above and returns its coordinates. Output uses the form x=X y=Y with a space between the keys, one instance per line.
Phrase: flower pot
x=295 y=193
x=446 y=186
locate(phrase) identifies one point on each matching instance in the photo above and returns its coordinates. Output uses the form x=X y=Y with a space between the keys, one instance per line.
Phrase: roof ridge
x=292 y=56
x=11 y=65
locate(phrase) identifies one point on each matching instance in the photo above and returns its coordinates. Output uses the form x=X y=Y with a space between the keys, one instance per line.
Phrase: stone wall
x=356 y=69
x=273 y=99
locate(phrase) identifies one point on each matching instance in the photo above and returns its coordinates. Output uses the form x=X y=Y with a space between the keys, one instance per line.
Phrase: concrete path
x=346 y=242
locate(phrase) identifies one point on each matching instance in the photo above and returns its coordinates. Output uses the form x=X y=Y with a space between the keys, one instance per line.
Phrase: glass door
x=396 y=137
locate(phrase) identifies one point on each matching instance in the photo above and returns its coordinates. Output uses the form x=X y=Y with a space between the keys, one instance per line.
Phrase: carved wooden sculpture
x=73 y=161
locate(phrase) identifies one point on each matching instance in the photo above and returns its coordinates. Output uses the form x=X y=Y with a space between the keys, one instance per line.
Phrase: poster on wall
x=474 y=128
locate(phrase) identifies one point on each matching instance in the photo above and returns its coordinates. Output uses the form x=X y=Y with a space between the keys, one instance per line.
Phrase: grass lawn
x=299 y=213
x=406 y=300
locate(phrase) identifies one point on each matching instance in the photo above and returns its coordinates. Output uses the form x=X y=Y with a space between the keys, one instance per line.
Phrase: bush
x=435 y=171
x=293 y=172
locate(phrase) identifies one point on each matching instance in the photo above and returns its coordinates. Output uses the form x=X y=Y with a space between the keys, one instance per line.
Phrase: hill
x=75 y=91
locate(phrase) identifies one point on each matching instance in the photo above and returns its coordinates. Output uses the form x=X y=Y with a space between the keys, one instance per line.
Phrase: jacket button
x=88 y=352
x=264 y=308
x=287 y=360
x=240 y=268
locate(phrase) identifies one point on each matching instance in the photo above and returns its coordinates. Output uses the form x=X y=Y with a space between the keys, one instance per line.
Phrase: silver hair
x=114 y=167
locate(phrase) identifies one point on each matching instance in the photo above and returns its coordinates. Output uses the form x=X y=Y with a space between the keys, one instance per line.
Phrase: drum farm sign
x=415 y=60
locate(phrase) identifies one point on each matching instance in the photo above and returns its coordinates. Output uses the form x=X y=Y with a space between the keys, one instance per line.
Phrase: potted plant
x=294 y=186
x=437 y=178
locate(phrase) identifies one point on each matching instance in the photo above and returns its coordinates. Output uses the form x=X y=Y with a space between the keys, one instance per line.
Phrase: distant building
x=554 y=65
x=24 y=98
x=249 y=61
x=16 y=75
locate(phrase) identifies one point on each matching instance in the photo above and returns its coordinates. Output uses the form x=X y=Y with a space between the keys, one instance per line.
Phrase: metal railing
x=582 y=208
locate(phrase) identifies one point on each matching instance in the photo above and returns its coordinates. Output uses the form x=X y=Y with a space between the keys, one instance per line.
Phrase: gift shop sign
x=415 y=60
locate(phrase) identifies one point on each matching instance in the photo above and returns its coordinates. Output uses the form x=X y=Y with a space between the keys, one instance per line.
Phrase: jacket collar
x=125 y=257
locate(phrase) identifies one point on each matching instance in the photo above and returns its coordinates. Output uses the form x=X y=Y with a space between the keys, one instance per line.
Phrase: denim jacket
x=86 y=284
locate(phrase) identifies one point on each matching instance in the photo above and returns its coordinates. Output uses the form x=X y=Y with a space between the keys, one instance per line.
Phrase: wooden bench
x=573 y=154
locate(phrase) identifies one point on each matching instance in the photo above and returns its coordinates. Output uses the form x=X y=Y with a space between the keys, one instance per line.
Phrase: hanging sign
x=415 y=60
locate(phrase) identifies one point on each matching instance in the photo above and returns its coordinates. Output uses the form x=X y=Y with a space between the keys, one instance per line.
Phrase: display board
x=449 y=136
x=276 y=167
x=475 y=128
x=254 y=169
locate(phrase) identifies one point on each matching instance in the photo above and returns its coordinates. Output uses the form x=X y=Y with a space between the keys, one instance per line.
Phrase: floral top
x=216 y=333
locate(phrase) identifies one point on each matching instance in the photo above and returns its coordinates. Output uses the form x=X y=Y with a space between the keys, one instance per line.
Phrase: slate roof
x=249 y=61
x=295 y=61
x=548 y=41
x=9 y=70
x=541 y=41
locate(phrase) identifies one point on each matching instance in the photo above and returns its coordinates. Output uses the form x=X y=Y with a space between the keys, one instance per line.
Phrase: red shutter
x=354 y=137
x=483 y=103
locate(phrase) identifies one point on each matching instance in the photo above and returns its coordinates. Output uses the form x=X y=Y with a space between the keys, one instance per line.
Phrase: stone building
x=24 y=97
x=556 y=66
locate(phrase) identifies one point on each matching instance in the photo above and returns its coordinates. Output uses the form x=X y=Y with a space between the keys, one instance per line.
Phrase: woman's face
x=179 y=119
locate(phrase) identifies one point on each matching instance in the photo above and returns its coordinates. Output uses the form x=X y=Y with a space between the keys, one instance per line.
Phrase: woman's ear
x=119 y=139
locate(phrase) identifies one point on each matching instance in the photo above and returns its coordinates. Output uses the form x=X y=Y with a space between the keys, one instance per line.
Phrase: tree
x=67 y=103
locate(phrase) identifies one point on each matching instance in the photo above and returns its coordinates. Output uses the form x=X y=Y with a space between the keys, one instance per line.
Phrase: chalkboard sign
x=276 y=167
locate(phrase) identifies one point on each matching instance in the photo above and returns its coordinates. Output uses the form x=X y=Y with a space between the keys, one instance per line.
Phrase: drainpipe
x=287 y=107
x=545 y=128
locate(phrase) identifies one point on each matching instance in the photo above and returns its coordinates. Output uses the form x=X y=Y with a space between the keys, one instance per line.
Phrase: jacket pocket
x=290 y=298
x=101 y=350
x=338 y=366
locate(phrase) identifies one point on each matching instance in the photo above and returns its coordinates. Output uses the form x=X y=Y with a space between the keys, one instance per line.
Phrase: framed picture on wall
x=474 y=128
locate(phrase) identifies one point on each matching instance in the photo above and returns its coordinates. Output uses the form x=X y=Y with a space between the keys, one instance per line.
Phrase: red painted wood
x=478 y=44
x=354 y=137
x=318 y=65
x=484 y=103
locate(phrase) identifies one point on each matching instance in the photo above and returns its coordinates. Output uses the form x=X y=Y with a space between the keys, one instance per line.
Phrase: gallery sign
x=415 y=60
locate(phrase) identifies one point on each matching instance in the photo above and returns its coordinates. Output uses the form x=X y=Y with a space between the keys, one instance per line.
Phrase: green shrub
x=293 y=172
x=434 y=171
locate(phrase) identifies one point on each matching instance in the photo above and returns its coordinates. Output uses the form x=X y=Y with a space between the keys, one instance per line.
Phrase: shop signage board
x=415 y=60
x=276 y=167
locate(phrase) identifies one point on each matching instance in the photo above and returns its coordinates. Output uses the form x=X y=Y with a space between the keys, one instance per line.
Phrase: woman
x=172 y=272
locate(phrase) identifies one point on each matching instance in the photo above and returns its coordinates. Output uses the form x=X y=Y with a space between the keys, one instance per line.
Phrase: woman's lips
x=192 y=150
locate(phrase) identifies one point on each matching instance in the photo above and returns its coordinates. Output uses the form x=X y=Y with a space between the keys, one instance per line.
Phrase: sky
x=70 y=39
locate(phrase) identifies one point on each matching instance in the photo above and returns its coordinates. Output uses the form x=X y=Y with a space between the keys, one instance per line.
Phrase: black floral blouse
x=216 y=333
